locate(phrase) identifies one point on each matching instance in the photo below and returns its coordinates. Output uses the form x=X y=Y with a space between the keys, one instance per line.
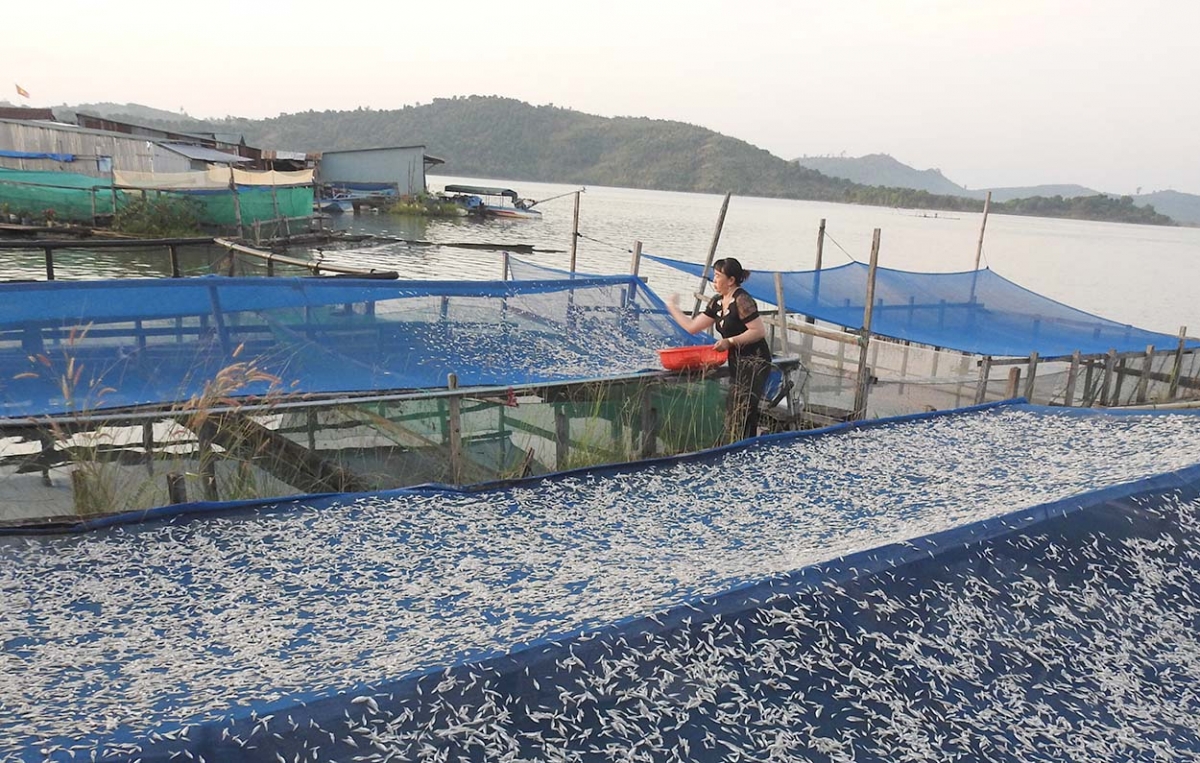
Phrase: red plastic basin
x=688 y=358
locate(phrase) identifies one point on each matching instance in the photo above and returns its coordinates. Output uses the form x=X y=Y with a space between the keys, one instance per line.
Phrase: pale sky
x=992 y=92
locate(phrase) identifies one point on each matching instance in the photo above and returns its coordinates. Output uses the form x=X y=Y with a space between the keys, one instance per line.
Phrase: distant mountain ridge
x=884 y=170
x=490 y=136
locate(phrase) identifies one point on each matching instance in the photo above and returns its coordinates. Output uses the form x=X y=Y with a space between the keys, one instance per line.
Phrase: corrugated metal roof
x=202 y=154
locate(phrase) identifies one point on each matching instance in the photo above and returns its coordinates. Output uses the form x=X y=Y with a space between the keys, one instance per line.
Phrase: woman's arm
x=689 y=324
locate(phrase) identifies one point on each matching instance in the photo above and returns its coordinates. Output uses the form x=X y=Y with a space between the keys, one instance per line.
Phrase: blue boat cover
x=975 y=311
x=956 y=586
x=72 y=347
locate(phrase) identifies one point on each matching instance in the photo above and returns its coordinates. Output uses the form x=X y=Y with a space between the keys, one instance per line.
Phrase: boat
x=485 y=201
x=337 y=204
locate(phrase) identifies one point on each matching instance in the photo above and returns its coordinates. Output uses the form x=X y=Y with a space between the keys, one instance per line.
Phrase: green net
x=82 y=198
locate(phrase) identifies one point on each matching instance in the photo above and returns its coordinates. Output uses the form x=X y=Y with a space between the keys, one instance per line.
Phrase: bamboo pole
x=504 y=266
x=863 y=378
x=574 y=231
x=1072 y=375
x=979 y=250
x=987 y=202
x=712 y=252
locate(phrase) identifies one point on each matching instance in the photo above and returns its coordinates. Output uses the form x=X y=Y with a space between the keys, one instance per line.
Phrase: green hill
x=489 y=136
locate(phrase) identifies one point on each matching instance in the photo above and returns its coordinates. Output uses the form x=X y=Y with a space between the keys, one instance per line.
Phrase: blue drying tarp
x=956 y=586
x=37 y=155
x=74 y=347
x=976 y=311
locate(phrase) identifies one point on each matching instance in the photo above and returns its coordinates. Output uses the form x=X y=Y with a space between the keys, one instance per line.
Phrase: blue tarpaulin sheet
x=976 y=311
x=37 y=155
x=969 y=585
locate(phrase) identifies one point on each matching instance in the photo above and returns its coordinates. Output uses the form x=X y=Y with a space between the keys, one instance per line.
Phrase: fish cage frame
x=283 y=447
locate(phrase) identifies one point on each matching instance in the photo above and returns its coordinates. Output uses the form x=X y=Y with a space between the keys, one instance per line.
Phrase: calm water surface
x=1144 y=275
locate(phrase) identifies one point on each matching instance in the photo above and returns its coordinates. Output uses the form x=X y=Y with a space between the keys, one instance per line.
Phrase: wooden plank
x=309 y=265
x=283 y=458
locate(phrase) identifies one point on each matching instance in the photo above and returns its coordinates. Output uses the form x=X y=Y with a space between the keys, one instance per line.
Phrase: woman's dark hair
x=732 y=268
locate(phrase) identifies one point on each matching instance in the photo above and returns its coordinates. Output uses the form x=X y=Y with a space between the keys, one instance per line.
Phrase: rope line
x=839 y=246
x=605 y=243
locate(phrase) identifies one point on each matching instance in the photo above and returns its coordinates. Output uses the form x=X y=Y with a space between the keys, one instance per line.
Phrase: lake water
x=1144 y=275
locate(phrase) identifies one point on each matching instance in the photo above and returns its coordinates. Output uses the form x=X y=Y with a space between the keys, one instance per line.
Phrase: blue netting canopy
x=71 y=347
x=975 y=311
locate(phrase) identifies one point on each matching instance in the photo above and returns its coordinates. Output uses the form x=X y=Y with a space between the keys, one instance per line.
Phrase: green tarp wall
x=71 y=197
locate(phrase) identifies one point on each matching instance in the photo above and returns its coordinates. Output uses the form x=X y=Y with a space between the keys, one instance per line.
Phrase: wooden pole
x=562 y=438
x=1177 y=368
x=782 y=316
x=1120 y=375
x=176 y=488
x=712 y=251
x=575 y=232
x=864 y=373
x=1110 y=365
x=454 y=416
x=174 y=252
x=634 y=267
x=820 y=242
x=1033 y=364
x=504 y=266
x=49 y=264
x=1072 y=375
x=1147 y=366
x=985 y=370
x=817 y=275
x=237 y=202
x=649 y=442
x=1014 y=382
x=987 y=202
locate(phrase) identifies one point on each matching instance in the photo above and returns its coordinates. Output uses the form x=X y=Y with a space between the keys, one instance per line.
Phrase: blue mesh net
x=976 y=311
x=81 y=346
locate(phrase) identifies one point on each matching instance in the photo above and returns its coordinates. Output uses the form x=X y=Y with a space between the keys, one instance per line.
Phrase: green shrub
x=158 y=216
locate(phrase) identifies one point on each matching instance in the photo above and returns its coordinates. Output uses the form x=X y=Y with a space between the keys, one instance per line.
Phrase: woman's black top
x=742 y=310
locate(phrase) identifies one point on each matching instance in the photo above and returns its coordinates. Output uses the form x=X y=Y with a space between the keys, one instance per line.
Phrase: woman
x=735 y=314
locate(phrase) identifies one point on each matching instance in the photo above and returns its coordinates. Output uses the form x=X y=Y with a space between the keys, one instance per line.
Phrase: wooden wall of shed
x=127 y=152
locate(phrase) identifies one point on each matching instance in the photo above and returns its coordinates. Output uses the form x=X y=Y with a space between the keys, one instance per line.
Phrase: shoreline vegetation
x=425 y=205
x=491 y=136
